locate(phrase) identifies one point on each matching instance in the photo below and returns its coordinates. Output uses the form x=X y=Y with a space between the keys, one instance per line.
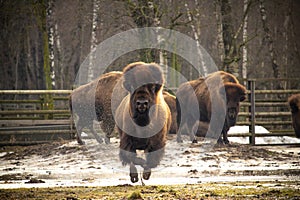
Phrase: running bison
x=217 y=95
x=294 y=102
x=142 y=118
x=92 y=101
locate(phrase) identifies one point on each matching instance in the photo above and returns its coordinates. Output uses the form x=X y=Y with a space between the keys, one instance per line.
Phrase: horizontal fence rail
x=267 y=108
x=27 y=117
x=31 y=120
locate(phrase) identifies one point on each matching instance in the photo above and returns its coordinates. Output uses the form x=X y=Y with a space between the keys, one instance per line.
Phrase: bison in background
x=294 y=102
x=219 y=92
x=171 y=101
x=89 y=109
x=143 y=118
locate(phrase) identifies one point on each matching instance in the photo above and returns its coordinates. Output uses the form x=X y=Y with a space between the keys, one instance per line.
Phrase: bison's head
x=235 y=93
x=143 y=81
x=294 y=102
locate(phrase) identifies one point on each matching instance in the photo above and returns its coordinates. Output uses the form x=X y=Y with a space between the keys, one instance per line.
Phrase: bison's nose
x=142 y=105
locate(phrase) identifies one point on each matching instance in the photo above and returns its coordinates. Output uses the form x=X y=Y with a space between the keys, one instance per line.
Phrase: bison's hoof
x=133 y=174
x=226 y=141
x=179 y=140
x=107 y=140
x=194 y=141
x=134 y=178
x=80 y=142
x=146 y=174
x=220 y=141
x=99 y=139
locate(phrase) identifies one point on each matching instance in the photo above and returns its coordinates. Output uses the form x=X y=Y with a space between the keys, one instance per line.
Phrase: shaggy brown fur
x=171 y=101
x=294 y=102
x=143 y=118
x=88 y=108
x=202 y=92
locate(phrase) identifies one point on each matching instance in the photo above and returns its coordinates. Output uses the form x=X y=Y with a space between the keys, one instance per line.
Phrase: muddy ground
x=67 y=170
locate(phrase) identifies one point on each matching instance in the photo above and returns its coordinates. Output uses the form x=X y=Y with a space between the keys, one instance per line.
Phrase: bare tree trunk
x=221 y=49
x=196 y=35
x=30 y=66
x=269 y=39
x=244 y=48
x=59 y=56
x=286 y=37
x=96 y=5
x=230 y=47
x=17 y=67
x=50 y=20
x=41 y=13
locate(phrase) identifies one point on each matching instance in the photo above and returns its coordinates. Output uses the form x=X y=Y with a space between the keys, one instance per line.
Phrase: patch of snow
x=259 y=140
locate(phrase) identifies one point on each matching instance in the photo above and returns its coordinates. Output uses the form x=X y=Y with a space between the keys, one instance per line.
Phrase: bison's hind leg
x=79 y=128
x=108 y=127
x=97 y=137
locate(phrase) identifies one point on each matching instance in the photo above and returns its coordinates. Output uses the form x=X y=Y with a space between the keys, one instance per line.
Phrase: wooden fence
x=268 y=108
x=36 y=116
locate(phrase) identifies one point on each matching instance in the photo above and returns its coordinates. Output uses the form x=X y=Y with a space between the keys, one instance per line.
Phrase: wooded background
x=43 y=43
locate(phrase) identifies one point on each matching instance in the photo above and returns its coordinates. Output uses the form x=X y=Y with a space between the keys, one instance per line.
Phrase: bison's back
x=104 y=92
x=81 y=101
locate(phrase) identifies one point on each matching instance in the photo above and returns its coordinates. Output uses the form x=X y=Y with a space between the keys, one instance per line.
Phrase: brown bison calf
x=294 y=102
x=92 y=101
x=143 y=118
x=209 y=106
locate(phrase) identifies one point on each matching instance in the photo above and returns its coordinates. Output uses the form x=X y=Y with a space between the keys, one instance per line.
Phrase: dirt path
x=68 y=164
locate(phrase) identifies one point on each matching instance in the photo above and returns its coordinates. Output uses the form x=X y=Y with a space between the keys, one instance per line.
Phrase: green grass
x=238 y=190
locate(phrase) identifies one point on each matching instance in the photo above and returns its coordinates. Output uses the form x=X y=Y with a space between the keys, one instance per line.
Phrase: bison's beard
x=141 y=119
x=231 y=117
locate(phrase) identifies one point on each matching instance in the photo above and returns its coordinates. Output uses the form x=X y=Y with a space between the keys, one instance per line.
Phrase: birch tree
x=232 y=46
x=244 y=48
x=196 y=33
x=96 y=6
x=269 y=39
x=50 y=31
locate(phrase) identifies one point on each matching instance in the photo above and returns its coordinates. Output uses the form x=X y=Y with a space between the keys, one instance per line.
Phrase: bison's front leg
x=129 y=157
x=133 y=173
x=153 y=158
x=225 y=137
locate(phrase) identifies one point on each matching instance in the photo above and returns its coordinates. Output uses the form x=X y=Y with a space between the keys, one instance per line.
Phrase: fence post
x=251 y=96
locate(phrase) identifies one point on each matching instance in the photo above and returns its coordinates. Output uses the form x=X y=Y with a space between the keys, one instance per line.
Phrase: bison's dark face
x=296 y=123
x=143 y=81
x=141 y=100
x=234 y=95
x=294 y=102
